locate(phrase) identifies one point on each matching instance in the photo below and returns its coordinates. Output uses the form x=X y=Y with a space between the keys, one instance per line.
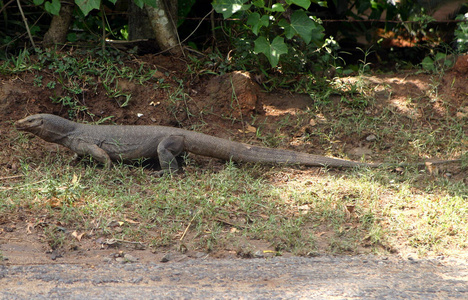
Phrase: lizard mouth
x=24 y=124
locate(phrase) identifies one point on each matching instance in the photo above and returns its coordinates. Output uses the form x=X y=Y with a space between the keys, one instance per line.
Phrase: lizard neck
x=56 y=129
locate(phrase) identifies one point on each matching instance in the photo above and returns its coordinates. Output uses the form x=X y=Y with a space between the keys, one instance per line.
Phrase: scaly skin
x=107 y=143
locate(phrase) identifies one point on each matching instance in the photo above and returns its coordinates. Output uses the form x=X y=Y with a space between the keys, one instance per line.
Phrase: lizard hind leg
x=168 y=149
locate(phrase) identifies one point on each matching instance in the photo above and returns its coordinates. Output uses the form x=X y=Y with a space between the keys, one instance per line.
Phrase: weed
x=438 y=63
x=21 y=63
x=179 y=103
x=76 y=75
x=38 y=80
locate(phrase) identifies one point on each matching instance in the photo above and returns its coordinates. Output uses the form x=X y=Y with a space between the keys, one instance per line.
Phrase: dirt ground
x=202 y=95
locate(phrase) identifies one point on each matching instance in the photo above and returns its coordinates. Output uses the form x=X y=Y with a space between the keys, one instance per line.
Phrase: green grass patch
x=359 y=211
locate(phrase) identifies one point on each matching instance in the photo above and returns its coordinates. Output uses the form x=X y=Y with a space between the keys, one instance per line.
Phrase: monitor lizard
x=107 y=143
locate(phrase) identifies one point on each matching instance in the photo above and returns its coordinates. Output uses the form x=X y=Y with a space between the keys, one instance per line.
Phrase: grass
x=357 y=211
x=80 y=74
x=237 y=207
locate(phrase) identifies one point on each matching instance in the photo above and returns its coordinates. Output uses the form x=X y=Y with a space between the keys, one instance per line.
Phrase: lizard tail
x=228 y=150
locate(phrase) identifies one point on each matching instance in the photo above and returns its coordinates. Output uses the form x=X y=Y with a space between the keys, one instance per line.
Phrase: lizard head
x=31 y=124
x=46 y=126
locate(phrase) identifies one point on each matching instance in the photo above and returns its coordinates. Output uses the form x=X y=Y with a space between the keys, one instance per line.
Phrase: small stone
x=130 y=258
x=166 y=258
x=199 y=255
x=371 y=138
x=259 y=254
x=361 y=151
x=121 y=260
x=55 y=254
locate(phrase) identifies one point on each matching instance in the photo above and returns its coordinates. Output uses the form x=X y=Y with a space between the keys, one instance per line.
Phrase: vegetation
x=235 y=207
x=291 y=36
x=358 y=211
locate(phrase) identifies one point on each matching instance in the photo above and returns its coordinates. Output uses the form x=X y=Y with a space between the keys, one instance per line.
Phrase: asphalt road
x=322 y=277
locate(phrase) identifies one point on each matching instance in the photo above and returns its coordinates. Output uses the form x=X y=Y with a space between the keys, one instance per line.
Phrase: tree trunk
x=139 y=26
x=57 y=33
x=163 y=21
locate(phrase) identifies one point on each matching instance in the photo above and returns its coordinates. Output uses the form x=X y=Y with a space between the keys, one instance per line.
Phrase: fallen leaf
x=131 y=221
x=248 y=129
x=350 y=208
x=77 y=236
x=29 y=227
x=75 y=179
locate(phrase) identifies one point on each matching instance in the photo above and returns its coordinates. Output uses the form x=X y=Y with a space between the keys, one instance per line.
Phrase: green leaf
x=303 y=25
x=139 y=3
x=38 y=2
x=71 y=37
x=184 y=8
x=229 y=7
x=257 y=22
x=272 y=51
x=288 y=29
x=278 y=7
x=302 y=3
x=151 y=3
x=88 y=5
x=53 y=7
x=428 y=64
x=440 y=56
x=259 y=3
x=321 y=3
x=34 y=29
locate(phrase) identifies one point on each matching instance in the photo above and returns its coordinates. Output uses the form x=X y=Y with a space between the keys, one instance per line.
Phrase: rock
x=360 y=151
x=234 y=93
x=258 y=254
x=461 y=65
x=55 y=254
x=121 y=260
x=166 y=258
x=130 y=258
x=371 y=138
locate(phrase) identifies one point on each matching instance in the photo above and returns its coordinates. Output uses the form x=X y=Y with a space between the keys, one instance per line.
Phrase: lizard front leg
x=168 y=149
x=95 y=152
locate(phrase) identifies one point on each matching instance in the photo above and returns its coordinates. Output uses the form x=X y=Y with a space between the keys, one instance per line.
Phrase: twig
x=103 y=24
x=188 y=226
x=26 y=24
x=392 y=21
x=113 y=241
x=5 y=5
x=166 y=7
x=187 y=36
x=228 y=222
x=11 y=177
x=21 y=186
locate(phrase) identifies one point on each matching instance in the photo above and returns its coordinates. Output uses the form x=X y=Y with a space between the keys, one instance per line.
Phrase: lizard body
x=107 y=143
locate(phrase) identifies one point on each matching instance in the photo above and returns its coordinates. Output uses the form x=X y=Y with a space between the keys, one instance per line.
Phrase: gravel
x=362 y=277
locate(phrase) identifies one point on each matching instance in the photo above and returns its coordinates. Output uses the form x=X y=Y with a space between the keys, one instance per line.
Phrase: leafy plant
x=439 y=61
x=461 y=33
x=20 y=63
x=86 y=6
x=278 y=26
